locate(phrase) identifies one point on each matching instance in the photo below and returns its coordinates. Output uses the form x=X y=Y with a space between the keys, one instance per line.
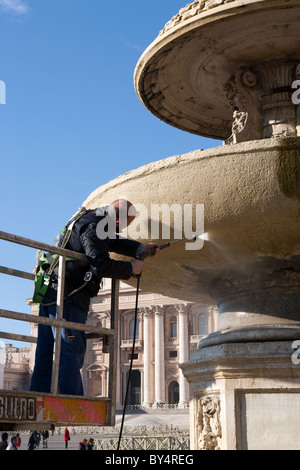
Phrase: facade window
x=135 y=388
x=134 y=356
x=173 y=393
x=172 y=353
x=174 y=329
x=131 y=329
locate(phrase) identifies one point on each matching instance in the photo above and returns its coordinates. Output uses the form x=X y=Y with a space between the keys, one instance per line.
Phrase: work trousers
x=71 y=357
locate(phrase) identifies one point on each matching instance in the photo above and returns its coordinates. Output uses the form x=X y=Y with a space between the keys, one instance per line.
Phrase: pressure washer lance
x=144 y=254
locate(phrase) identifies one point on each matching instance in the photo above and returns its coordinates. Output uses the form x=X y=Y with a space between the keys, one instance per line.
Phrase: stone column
x=183 y=352
x=148 y=375
x=159 y=356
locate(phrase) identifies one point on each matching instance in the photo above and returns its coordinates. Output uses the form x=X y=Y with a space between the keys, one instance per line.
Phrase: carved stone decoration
x=192 y=10
x=241 y=95
x=158 y=309
x=208 y=422
x=260 y=100
x=181 y=308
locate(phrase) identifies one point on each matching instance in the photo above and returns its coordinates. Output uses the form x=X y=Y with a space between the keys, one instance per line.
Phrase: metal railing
x=158 y=443
x=59 y=323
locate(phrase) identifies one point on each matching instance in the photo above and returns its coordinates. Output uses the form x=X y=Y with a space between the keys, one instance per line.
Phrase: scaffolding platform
x=37 y=411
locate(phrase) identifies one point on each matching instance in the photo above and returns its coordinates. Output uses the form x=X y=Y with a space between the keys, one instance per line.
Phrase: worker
x=84 y=239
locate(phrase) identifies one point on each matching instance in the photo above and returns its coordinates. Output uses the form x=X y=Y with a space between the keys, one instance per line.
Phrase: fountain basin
x=251 y=197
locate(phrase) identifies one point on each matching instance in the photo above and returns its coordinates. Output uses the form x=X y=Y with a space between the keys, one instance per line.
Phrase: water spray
x=144 y=254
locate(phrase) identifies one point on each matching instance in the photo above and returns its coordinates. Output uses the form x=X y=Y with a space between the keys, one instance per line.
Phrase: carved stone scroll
x=241 y=94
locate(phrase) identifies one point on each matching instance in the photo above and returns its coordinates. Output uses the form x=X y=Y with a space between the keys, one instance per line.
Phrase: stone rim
x=188 y=105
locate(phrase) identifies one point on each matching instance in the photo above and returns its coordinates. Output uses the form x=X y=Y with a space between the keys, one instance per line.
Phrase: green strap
x=42 y=278
x=41 y=285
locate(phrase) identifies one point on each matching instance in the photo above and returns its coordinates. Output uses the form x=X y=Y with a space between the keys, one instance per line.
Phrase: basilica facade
x=166 y=331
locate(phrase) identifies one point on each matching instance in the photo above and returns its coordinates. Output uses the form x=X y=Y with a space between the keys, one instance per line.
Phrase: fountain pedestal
x=245 y=396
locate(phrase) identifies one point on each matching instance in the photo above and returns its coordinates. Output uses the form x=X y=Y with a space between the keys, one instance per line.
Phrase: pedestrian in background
x=32 y=441
x=90 y=444
x=45 y=435
x=82 y=444
x=4 y=439
x=66 y=437
x=19 y=440
x=13 y=443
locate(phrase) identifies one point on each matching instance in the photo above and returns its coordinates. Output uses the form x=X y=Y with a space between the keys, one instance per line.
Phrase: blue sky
x=72 y=120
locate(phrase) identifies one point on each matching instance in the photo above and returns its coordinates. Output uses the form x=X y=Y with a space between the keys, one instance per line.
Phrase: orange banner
x=64 y=410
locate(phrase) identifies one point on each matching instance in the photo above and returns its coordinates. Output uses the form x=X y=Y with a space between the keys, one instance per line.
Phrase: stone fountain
x=225 y=69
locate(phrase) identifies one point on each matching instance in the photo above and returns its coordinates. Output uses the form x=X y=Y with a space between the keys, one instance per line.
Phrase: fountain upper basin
x=251 y=197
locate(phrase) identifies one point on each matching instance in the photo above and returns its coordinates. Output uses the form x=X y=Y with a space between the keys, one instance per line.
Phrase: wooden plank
x=9 y=237
x=17 y=273
x=15 y=337
x=62 y=323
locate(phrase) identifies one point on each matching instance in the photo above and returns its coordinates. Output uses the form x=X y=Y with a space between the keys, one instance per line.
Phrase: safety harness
x=47 y=262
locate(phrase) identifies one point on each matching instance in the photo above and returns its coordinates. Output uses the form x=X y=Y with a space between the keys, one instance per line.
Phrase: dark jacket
x=3 y=445
x=84 y=239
